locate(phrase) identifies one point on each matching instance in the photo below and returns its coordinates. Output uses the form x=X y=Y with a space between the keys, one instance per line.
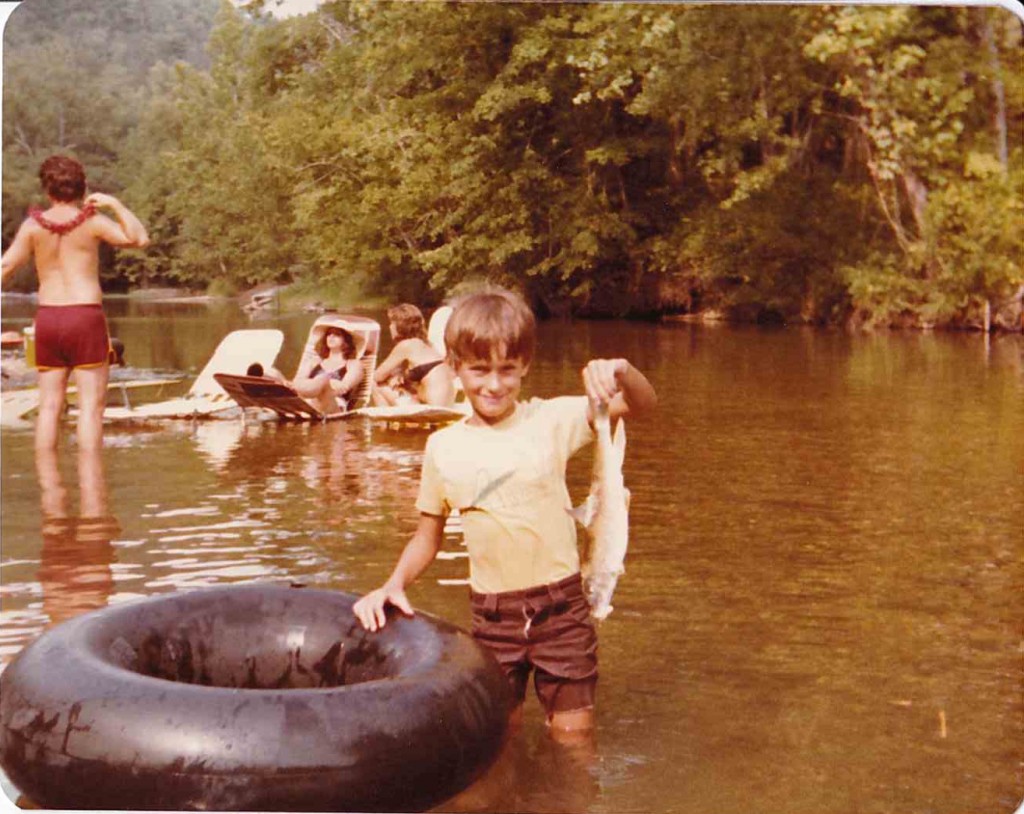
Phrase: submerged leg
x=52 y=389
x=92 y=398
x=570 y=724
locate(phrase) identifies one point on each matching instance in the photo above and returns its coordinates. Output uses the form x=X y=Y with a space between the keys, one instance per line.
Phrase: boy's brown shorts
x=547 y=629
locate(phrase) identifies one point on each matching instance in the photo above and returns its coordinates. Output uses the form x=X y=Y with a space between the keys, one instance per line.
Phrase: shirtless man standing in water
x=71 y=330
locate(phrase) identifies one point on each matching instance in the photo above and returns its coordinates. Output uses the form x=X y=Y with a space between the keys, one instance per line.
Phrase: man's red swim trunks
x=71 y=336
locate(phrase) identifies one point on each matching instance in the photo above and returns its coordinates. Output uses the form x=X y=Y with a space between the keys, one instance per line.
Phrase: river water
x=822 y=606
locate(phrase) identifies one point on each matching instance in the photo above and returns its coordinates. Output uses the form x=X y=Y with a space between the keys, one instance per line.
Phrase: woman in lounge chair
x=414 y=370
x=329 y=382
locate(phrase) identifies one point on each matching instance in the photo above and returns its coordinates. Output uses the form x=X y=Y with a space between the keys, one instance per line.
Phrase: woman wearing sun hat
x=329 y=376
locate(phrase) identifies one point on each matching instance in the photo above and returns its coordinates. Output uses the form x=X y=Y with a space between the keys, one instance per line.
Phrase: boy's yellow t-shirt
x=508 y=482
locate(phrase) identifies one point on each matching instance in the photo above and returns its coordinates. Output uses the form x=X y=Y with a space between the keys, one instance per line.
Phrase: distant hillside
x=135 y=34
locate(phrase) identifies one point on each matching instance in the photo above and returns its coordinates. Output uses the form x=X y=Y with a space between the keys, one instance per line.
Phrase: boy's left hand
x=602 y=379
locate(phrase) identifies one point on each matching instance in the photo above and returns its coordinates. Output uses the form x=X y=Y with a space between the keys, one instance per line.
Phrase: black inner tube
x=251 y=645
x=252 y=698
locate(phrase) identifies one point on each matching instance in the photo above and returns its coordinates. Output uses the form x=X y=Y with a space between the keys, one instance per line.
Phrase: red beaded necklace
x=83 y=215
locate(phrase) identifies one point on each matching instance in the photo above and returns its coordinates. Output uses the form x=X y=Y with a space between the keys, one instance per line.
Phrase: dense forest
x=857 y=165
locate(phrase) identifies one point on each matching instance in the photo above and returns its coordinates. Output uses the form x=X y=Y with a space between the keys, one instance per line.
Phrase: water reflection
x=536 y=773
x=821 y=609
x=216 y=440
x=334 y=466
x=265 y=500
x=77 y=553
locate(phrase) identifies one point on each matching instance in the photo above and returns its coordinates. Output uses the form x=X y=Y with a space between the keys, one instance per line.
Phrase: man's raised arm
x=132 y=233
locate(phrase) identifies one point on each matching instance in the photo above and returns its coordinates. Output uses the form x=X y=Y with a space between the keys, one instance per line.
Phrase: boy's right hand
x=602 y=379
x=370 y=609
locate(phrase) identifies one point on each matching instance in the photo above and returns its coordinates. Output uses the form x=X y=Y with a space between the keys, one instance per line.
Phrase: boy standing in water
x=503 y=468
x=71 y=330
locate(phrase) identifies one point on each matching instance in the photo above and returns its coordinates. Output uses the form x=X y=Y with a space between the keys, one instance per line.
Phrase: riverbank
x=309 y=297
x=285 y=298
x=173 y=295
x=715 y=317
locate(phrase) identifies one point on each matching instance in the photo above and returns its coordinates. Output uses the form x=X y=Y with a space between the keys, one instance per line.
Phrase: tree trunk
x=917 y=195
x=675 y=172
x=998 y=88
x=761 y=105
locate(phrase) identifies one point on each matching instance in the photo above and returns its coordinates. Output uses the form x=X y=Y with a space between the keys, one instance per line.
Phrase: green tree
x=225 y=195
x=796 y=163
x=75 y=82
x=911 y=85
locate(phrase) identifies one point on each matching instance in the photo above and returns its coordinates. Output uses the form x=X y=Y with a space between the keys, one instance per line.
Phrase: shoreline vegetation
x=303 y=298
x=860 y=166
x=306 y=298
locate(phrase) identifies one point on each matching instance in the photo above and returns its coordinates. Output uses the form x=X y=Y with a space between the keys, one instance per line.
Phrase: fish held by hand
x=605 y=515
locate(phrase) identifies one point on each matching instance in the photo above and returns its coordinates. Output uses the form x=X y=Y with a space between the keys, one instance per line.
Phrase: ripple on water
x=825 y=556
x=208 y=574
x=192 y=511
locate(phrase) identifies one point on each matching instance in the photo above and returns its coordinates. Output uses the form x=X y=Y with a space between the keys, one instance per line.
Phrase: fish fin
x=584 y=513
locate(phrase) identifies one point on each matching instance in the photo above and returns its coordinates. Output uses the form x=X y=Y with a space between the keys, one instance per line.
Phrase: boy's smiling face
x=492 y=385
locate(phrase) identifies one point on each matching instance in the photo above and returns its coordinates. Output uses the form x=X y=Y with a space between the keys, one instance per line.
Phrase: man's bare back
x=71 y=330
x=68 y=264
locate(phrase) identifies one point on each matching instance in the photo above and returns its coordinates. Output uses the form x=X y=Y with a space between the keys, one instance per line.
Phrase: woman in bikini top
x=414 y=370
x=414 y=375
x=331 y=382
x=337 y=374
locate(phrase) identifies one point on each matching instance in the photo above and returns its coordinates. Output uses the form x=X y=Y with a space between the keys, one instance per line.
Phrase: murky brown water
x=822 y=607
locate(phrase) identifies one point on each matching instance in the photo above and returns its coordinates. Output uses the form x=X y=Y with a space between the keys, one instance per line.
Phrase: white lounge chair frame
x=206 y=398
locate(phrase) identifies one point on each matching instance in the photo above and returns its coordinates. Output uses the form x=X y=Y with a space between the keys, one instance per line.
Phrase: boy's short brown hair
x=408 y=321
x=63 y=178
x=489 y=322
